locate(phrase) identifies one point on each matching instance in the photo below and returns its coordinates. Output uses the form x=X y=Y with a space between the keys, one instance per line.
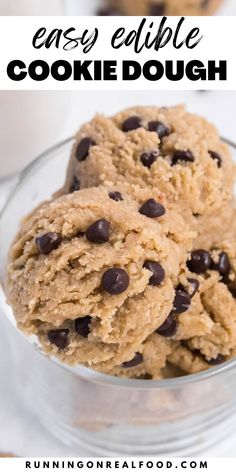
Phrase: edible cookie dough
x=94 y=276
x=131 y=268
x=202 y=335
x=165 y=153
x=207 y=331
x=6 y=455
x=162 y=7
x=100 y=283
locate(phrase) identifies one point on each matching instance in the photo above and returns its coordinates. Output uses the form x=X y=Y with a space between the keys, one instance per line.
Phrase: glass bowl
x=109 y=416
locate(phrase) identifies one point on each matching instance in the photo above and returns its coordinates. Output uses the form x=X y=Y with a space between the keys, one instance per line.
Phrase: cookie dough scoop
x=163 y=153
x=93 y=275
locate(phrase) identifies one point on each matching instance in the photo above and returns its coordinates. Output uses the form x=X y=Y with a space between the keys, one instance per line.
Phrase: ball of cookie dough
x=149 y=362
x=93 y=275
x=206 y=332
x=162 y=7
x=168 y=153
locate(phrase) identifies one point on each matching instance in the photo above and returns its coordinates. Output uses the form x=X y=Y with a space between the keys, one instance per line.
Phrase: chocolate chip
x=147 y=158
x=107 y=12
x=98 y=232
x=137 y=359
x=160 y=128
x=182 y=156
x=216 y=361
x=194 y=284
x=115 y=281
x=83 y=147
x=232 y=289
x=222 y=265
x=115 y=196
x=193 y=287
x=152 y=209
x=59 y=337
x=75 y=186
x=230 y=285
x=82 y=326
x=158 y=273
x=157 y=9
x=47 y=242
x=182 y=302
x=131 y=123
x=214 y=155
x=200 y=261
x=80 y=234
x=169 y=327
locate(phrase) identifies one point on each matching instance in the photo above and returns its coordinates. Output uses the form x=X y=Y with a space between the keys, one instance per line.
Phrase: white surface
x=20 y=432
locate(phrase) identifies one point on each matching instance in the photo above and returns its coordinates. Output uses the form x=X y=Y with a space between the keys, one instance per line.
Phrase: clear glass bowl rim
x=93 y=375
